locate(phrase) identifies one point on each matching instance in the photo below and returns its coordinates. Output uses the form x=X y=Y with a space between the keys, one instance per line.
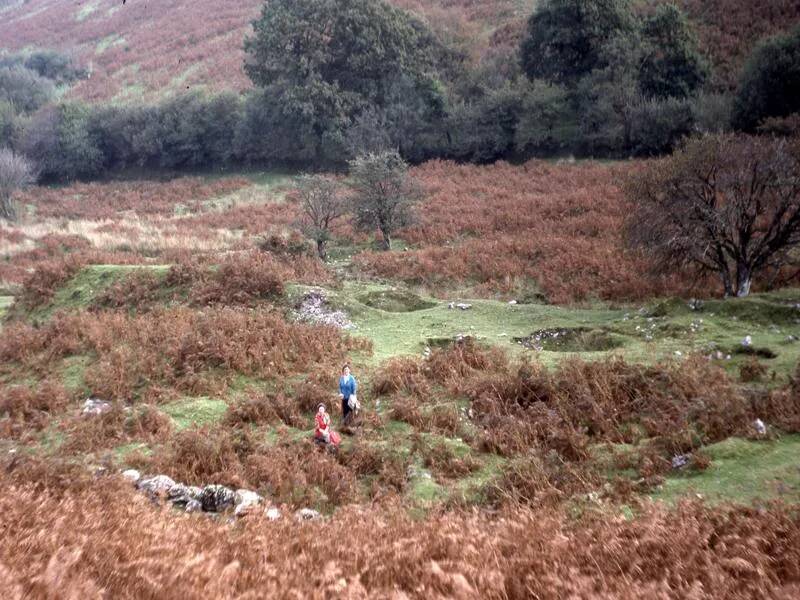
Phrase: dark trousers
x=345 y=410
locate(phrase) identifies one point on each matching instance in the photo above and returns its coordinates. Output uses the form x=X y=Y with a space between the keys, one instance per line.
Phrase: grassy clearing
x=90 y=281
x=742 y=471
x=190 y=412
x=269 y=187
x=668 y=329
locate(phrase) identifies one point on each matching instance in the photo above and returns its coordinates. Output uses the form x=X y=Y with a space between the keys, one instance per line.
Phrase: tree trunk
x=321 y=250
x=386 y=242
x=726 y=282
x=743 y=281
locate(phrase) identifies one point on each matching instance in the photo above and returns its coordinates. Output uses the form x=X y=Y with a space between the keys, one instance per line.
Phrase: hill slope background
x=148 y=50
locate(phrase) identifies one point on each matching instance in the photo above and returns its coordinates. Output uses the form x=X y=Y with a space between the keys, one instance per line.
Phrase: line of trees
x=337 y=78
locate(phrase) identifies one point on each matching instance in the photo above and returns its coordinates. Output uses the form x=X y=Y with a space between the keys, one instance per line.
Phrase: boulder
x=307 y=514
x=193 y=506
x=94 y=407
x=156 y=486
x=272 y=513
x=183 y=494
x=132 y=475
x=245 y=501
x=759 y=426
x=217 y=498
x=680 y=460
x=463 y=306
x=747 y=341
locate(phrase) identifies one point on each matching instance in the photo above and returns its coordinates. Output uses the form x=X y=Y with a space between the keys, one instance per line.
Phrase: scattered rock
x=759 y=426
x=747 y=341
x=193 y=506
x=463 y=306
x=245 y=501
x=216 y=498
x=272 y=513
x=183 y=494
x=94 y=407
x=512 y=302
x=156 y=486
x=307 y=514
x=791 y=339
x=680 y=460
x=313 y=308
x=695 y=304
x=132 y=475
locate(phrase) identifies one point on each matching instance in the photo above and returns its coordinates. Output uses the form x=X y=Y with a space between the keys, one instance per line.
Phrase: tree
x=673 y=66
x=326 y=61
x=726 y=204
x=16 y=172
x=565 y=37
x=770 y=82
x=24 y=89
x=322 y=203
x=383 y=193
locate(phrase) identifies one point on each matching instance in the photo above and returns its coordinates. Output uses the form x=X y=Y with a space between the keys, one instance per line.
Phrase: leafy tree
x=323 y=203
x=672 y=66
x=24 y=89
x=326 y=61
x=722 y=203
x=770 y=82
x=16 y=172
x=383 y=193
x=60 y=140
x=564 y=37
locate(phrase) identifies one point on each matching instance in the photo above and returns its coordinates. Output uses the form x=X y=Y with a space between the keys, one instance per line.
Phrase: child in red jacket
x=322 y=433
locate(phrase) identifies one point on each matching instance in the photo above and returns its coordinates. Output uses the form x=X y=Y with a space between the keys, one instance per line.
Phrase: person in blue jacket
x=347 y=388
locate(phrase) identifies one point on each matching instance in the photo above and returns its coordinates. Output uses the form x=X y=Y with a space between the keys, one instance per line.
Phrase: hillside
x=559 y=438
x=149 y=50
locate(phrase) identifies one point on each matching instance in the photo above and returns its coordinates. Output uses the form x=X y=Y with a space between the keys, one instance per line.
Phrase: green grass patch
x=83 y=288
x=395 y=301
x=200 y=411
x=87 y=10
x=5 y=303
x=742 y=471
x=73 y=371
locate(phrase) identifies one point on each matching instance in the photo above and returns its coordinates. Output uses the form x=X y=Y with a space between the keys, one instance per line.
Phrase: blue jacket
x=347 y=386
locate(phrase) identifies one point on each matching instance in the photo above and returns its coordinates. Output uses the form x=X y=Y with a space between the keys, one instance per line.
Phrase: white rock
x=160 y=484
x=272 y=513
x=307 y=514
x=759 y=426
x=512 y=302
x=193 y=506
x=245 y=501
x=451 y=306
x=463 y=306
x=132 y=475
x=94 y=407
x=747 y=341
x=678 y=353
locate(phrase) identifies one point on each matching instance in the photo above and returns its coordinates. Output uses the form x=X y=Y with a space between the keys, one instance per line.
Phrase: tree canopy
x=770 y=82
x=327 y=61
x=724 y=203
x=565 y=37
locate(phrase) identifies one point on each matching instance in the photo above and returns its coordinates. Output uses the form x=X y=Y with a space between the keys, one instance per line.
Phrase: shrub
x=770 y=82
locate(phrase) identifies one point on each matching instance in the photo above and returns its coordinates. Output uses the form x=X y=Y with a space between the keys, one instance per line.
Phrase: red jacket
x=323 y=422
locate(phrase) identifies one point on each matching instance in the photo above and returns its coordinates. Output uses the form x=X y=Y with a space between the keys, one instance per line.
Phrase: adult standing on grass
x=347 y=388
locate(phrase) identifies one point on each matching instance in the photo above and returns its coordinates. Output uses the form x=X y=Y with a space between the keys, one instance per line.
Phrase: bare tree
x=323 y=203
x=724 y=203
x=384 y=193
x=16 y=172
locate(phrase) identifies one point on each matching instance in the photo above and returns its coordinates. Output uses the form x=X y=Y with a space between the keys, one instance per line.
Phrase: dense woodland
x=646 y=77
